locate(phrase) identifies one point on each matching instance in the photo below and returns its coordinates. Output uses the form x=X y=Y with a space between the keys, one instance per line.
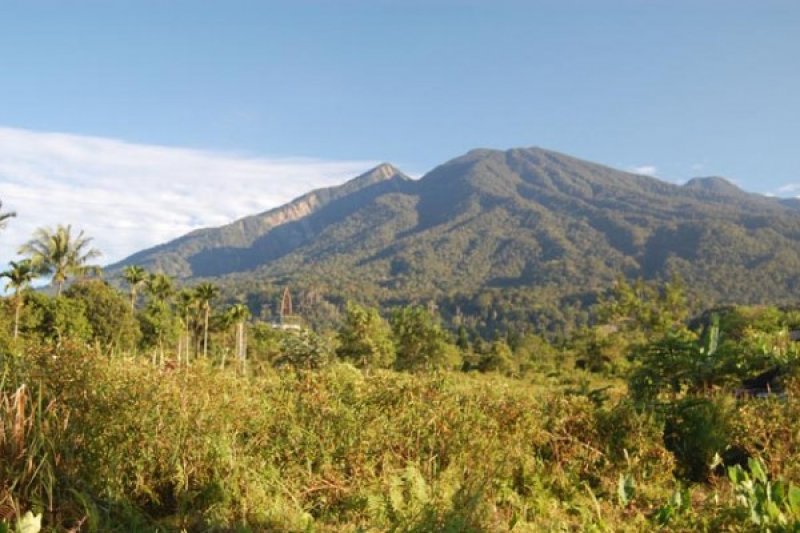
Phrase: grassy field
x=115 y=444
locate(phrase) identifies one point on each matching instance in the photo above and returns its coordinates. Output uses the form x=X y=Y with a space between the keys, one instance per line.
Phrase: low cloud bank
x=131 y=196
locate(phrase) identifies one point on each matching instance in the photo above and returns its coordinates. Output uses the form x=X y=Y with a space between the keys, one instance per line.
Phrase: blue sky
x=674 y=88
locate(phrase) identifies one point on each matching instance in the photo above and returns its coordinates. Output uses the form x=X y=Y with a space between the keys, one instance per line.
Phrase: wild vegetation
x=161 y=407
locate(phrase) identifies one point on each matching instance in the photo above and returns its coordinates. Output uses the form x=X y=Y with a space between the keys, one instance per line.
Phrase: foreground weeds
x=98 y=444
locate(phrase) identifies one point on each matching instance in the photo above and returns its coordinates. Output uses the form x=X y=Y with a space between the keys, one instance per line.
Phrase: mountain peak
x=382 y=172
x=385 y=169
x=713 y=184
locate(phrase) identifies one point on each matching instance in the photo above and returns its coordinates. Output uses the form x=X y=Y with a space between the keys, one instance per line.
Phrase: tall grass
x=105 y=444
x=27 y=468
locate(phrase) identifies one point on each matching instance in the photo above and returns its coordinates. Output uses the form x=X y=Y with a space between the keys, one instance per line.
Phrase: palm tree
x=205 y=292
x=60 y=253
x=19 y=277
x=159 y=287
x=238 y=314
x=186 y=302
x=224 y=322
x=135 y=276
x=5 y=216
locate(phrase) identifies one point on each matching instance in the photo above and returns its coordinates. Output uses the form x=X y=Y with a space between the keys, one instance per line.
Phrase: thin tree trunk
x=133 y=299
x=188 y=341
x=236 y=341
x=205 y=335
x=241 y=342
x=16 y=319
x=238 y=346
x=60 y=286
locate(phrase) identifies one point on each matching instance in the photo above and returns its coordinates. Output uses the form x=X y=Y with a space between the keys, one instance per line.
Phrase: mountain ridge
x=241 y=231
x=525 y=219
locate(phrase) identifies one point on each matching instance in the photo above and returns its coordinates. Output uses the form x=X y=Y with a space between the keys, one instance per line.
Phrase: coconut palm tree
x=135 y=276
x=205 y=292
x=19 y=277
x=60 y=253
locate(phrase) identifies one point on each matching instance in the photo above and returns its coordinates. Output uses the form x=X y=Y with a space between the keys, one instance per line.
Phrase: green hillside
x=529 y=225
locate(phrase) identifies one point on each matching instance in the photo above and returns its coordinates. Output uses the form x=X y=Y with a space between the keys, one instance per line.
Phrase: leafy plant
x=679 y=364
x=304 y=350
x=680 y=503
x=626 y=489
x=771 y=505
x=697 y=429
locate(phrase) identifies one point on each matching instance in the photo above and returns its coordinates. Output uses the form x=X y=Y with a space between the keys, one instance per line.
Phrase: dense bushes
x=696 y=430
x=129 y=443
x=117 y=444
x=110 y=317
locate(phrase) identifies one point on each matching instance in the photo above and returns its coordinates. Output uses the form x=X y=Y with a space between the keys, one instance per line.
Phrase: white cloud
x=789 y=188
x=131 y=196
x=645 y=170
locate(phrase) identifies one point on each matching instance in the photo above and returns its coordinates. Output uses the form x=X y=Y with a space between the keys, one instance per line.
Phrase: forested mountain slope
x=527 y=220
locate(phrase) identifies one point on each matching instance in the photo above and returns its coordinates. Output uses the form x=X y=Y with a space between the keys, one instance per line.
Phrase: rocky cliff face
x=173 y=257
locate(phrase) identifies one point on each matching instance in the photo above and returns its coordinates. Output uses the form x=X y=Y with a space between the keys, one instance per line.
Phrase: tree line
x=175 y=325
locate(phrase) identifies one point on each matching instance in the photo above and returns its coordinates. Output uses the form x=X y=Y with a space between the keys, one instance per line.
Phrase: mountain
x=237 y=246
x=547 y=227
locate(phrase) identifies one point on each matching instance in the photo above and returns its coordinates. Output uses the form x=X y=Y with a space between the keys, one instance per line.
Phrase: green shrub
x=770 y=504
x=108 y=313
x=499 y=358
x=695 y=431
x=303 y=349
x=420 y=341
x=365 y=338
x=54 y=319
